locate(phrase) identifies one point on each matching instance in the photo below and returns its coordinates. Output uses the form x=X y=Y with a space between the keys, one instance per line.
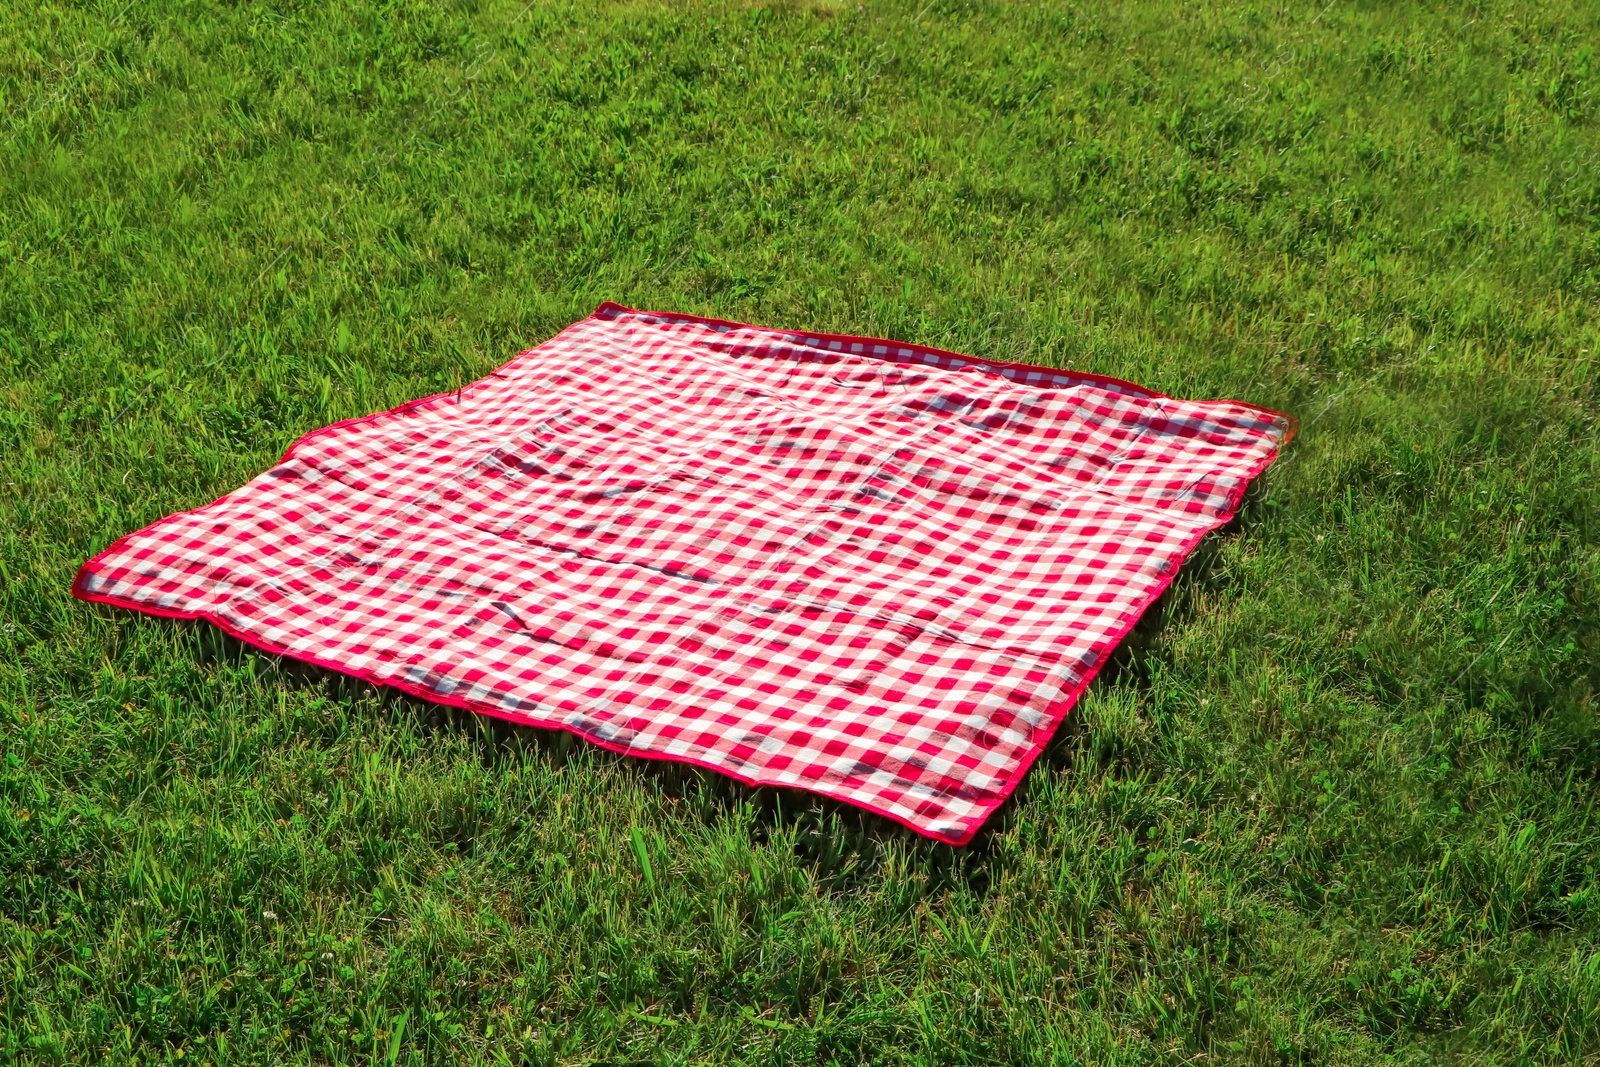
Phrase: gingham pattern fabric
x=876 y=571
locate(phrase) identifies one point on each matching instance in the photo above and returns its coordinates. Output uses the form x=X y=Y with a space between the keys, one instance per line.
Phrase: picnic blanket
x=873 y=570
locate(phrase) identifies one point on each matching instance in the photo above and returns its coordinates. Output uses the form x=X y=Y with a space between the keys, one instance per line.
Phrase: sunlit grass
x=1334 y=805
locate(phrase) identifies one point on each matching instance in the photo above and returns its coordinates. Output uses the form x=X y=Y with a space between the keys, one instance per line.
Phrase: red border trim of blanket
x=1055 y=715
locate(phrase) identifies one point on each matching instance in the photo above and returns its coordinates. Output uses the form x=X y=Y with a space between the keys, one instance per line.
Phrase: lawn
x=1335 y=803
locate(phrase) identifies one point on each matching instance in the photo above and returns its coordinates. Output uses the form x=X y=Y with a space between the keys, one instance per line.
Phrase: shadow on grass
x=1128 y=664
x=844 y=845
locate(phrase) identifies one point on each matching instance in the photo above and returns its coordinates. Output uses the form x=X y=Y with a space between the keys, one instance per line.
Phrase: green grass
x=1334 y=805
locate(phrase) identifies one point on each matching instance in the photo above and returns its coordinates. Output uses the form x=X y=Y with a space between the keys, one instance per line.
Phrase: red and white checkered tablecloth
x=873 y=570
